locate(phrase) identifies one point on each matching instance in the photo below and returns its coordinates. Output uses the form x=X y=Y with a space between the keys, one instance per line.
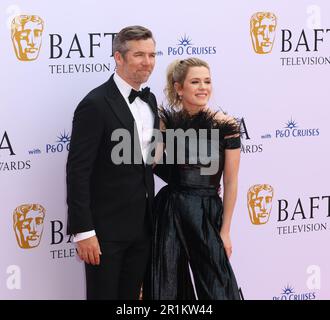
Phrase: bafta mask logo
x=28 y=220
x=260 y=198
x=26 y=34
x=262 y=30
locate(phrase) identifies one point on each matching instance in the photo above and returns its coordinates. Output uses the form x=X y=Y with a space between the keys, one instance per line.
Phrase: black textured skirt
x=188 y=260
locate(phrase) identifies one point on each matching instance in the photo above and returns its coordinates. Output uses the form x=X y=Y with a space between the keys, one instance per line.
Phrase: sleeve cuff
x=83 y=235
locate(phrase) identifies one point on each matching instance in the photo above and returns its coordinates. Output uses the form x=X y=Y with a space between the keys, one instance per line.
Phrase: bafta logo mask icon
x=262 y=30
x=28 y=220
x=26 y=34
x=260 y=198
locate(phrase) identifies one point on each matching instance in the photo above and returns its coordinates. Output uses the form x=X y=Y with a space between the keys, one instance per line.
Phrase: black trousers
x=122 y=267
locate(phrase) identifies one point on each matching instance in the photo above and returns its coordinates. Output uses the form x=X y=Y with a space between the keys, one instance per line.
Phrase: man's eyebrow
x=144 y=52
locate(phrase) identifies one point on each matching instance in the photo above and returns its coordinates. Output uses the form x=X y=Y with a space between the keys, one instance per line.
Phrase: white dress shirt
x=144 y=121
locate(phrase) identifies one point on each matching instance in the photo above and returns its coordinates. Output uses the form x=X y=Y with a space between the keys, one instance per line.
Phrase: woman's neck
x=193 y=109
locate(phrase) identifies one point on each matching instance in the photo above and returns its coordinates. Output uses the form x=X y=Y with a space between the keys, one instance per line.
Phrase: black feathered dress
x=186 y=245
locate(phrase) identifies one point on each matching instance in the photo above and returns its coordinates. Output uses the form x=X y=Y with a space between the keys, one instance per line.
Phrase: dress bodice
x=195 y=147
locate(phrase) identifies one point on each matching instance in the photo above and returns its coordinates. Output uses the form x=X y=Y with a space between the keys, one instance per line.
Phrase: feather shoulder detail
x=204 y=119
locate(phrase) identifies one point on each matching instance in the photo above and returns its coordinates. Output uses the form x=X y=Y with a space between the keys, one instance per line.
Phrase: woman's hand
x=225 y=237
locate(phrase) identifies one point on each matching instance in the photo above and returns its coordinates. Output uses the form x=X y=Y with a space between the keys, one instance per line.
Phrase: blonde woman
x=191 y=244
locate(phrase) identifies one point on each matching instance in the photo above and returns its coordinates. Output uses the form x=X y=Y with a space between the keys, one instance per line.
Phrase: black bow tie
x=143 y=94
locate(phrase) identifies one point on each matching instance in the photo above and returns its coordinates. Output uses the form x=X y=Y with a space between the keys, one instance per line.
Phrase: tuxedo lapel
x=119 y=106
x=153 y=106
x=156 y=120
x=121 y=109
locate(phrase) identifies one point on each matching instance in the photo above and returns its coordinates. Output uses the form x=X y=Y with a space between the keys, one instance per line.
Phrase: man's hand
x=89 y=250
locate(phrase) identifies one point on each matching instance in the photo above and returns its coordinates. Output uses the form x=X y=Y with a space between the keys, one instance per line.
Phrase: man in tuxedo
x=109 y=204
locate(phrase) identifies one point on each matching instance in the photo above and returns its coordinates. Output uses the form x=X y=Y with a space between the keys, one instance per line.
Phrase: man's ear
x=118 y=58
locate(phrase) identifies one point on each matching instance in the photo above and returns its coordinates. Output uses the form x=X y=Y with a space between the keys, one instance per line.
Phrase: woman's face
x=196 y=89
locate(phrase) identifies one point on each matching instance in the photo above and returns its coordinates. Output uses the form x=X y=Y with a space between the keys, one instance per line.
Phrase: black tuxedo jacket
x=110 y=198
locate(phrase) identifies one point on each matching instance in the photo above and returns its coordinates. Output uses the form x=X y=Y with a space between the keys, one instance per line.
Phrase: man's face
x=260 y=206
x=264 y=34
x=29 y=229
x=27 y=41
x=138 y=63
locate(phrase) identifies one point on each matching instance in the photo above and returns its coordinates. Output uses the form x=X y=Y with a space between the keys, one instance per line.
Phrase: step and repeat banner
x=270 y=64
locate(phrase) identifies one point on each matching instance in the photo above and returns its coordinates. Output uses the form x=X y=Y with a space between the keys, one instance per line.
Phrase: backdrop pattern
x=270 y=67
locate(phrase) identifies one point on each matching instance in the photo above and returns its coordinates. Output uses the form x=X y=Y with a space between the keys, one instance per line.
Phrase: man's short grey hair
x=130 y=33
